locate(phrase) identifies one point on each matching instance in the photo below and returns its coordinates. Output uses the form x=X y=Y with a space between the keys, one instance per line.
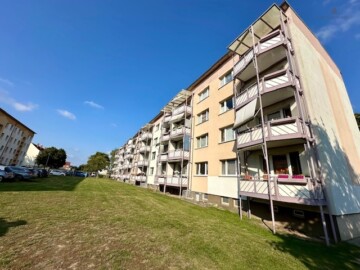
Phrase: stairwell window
x=202 y=168
x=202 y=141
x=227 y=134
x=203 y=116
x=228 y=167
x=226 y=105
x=226 y=78
x=204 y=94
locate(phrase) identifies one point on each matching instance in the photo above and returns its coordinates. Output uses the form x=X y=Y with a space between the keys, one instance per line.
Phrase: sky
x=86 y=75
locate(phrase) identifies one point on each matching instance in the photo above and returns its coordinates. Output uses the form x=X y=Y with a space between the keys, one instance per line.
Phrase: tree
x=97 y=162
x=357 y=117
x=51 y=157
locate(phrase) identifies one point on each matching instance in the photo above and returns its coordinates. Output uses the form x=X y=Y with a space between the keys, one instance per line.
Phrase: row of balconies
x=175 y=155
x=172 y=180
x=175 y=133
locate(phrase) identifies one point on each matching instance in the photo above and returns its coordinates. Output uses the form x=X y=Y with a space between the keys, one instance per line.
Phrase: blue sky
x=86 y=75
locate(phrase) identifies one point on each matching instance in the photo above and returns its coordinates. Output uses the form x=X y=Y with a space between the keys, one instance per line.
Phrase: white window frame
x=223 y=105
x=223 y=134
x=203 y=116
x=199 y=139
x=223 y=202
x=198 y=168
x=226 y=78
x=225 y=163
x=204 y=94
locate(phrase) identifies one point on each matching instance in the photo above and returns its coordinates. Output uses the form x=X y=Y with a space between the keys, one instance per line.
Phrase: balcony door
x=280 y=164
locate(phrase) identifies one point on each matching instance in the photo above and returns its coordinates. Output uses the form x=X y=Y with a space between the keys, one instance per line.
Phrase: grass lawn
x=68 y=222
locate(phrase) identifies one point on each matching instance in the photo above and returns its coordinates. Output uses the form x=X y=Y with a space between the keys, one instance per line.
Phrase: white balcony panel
x=245 y=114
x=223 y=186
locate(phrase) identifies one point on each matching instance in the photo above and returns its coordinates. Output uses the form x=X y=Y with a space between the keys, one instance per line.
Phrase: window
x=228 y=167
x=204 y=94
x=203 y=116
x=236 y=203
x=205 y=196
x=157 y=127
x=280 y=164
x=274 y=116
x=202 y=141
x=151 y=170
x=153 y=155
x=155 y=141
x=226 y=78
x=226 y=105
x=225 y=200
x=202 y=168
x=295 y=163
x=227 y=134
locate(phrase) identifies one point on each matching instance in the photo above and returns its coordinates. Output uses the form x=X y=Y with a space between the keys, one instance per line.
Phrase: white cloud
x=93 y=104
x=344 y=18
x=25 y=107
x=19 y=106
x=67 y=114
x=6 y=81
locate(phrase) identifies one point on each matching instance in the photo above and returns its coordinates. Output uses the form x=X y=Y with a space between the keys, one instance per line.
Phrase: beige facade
x=269 y=122
x=15 y=139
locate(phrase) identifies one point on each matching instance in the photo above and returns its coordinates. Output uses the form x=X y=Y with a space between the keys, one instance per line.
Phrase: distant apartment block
x=31 y=154
x=268 y=128
x=15 y=139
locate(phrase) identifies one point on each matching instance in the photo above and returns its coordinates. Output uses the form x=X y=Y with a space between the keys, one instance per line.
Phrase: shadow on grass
x=316 y=255
x=5 y=225
x=51 y=183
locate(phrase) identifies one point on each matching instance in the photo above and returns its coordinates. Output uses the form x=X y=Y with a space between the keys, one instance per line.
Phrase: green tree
x=357 y=117
x=51 y=157
x=98 y=162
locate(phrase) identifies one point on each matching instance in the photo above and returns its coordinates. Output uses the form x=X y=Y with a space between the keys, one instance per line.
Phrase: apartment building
x=268 y=129
x=15 y=139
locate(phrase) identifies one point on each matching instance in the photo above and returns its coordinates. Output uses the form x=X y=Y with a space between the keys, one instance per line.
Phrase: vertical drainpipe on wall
x=191 y=144
x=264 y=146
x=238 y=171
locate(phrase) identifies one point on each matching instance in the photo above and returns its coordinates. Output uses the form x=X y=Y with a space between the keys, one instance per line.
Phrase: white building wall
x=30 y=156
x=156 y=133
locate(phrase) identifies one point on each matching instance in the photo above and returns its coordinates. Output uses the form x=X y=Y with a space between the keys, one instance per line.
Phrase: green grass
x=66 y=222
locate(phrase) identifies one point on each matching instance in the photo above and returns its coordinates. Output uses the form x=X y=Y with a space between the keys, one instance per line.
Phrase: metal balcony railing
x=286 y=188
x=176 y=132
x=178 y=154
x=281 y=129
x=182 y=109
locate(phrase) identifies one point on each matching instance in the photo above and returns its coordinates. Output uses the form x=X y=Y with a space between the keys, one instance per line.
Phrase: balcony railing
x=268 y=83
x=165 y=138
x=143 y=162
x=282 y=129
x=145 y=136
x=268 y=42
x=176 y=132
x=144 y=148
x=182 y=109
x=292 y=189
x=163 y=157
x=128 y=156
x=170 y=180
x=141 y=178
x=167 y=118
x=178 y=154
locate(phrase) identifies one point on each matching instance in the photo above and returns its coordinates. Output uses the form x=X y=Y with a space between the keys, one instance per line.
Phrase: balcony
x=179 y=132
x=284 y=188
x=269 y=50
x=282 y=79
x=145 y=136
x=172 y=180
x=178 y=155
x=182 y=109
x=144 y=148
x=277 y=133
x=143 y=162
x=163 y=157
x=141 y=178
x=167 y=118
x=165 y=137
x=128 y=156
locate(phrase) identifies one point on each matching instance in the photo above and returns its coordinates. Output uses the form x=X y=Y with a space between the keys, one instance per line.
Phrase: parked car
x=43 y=173
x=80 y=174
x=34 y=173
x=20 y=173
x=57 y=172
x=6 y=174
